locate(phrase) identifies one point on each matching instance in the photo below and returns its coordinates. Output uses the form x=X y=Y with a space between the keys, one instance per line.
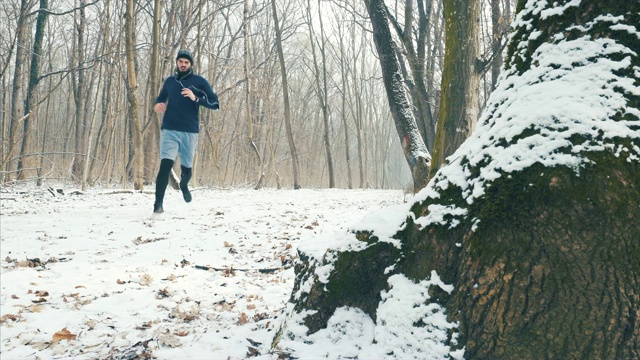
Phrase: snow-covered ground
x=94 y=275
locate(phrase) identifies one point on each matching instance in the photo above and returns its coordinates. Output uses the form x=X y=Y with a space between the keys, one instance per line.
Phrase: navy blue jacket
x=182 y=114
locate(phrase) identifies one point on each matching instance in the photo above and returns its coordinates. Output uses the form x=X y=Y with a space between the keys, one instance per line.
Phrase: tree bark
x=16 y=104
x=459 y=101
x=132 y=97
x=497 y=29
x=414 y=149
x=543 y=256
x=31 y=88
x=152 y=134
x=416 y=58
x=79 y=96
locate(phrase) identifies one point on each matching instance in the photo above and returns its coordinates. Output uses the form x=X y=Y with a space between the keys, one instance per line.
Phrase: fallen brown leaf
x=63 y=334
x=6 y=317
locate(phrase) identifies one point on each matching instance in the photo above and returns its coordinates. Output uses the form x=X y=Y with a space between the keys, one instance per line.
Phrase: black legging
x=162 y=180
x=185 y=176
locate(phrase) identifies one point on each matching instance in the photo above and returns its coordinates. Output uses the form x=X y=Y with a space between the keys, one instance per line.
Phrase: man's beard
x=182 y=74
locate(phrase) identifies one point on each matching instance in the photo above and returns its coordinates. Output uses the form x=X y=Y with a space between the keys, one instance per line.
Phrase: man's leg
x=187 y=153
x=168 y=151
x=162 y=180
x=185 y=176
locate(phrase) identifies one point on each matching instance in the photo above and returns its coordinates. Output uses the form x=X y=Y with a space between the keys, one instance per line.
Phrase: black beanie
x=186 y=55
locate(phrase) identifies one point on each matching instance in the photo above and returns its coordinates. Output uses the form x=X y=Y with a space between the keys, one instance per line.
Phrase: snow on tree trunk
x=528 y=240
x=413 y=146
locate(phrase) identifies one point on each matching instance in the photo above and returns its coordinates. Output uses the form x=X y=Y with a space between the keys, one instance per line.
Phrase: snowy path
x=92 y=276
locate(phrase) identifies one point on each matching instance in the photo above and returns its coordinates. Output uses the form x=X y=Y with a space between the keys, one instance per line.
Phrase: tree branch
x=61 y=13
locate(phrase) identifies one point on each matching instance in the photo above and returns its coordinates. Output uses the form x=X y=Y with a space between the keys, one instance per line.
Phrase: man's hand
x=159 y=107
x=186 y=92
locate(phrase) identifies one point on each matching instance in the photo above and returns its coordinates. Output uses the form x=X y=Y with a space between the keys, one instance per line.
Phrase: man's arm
x=161 y=101
x=206 y=96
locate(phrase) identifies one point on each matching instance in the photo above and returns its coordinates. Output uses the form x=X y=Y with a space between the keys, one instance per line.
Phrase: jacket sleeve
x=206 y=96
x=164 y=93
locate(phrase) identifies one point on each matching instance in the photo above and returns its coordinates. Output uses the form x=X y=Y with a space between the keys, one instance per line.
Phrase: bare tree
x=132 y=97
x=295 y=165
x=321 y=87
x=415 y=49
x=16 y=90
x=413 y=146
x=151 y=130
x=31 y=88
x=79 y=91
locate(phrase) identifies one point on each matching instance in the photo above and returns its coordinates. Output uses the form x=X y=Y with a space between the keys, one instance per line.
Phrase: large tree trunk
x=459 y=103
x=535 y=222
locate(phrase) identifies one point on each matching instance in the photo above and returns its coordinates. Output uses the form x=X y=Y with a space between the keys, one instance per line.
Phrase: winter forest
x=300 y=86
x=512 y=129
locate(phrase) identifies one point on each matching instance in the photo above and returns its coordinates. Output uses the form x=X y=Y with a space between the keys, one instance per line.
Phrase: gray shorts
x=178 y=143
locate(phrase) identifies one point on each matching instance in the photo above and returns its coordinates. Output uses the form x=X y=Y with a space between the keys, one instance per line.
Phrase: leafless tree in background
x=336 y=105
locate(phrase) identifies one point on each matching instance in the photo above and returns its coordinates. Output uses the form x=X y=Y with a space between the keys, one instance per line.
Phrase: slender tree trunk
x=79 y=96
x=152 y=133
x=132 y=97
x=435 y=54
x=31 y=89
x=497 y=28
x=16 y=91
x=247 y=94
x=345 y=89
x=295 y=165
x=416 y=58
x=321 y=90
x=359 y=118
x=459 y=102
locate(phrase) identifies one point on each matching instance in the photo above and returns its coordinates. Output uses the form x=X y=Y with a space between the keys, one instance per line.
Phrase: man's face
x=183 y=64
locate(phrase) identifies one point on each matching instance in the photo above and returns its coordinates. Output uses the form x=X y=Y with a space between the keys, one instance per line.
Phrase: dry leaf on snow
x=63 y=334
x=6 y=317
